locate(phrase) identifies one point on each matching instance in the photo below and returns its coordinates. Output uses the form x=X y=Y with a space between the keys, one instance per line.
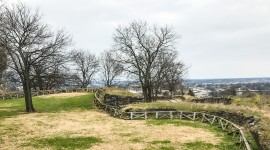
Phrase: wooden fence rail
x=224 y=124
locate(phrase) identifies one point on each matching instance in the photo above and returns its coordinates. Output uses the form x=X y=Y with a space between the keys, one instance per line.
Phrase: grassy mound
x=13 y=107
x=72 y=123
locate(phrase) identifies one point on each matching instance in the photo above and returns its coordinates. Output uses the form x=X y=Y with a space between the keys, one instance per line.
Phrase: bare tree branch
x=86 y=66
x=110 y=68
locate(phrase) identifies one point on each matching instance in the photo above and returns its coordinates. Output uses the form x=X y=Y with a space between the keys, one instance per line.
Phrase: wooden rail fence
x=224 y=124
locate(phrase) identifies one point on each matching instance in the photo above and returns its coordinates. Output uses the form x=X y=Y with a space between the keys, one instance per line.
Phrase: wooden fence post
x=181 y=113
x=156 y=114
x=213 y=120
x=194 y=116
x=203 y=115
x=145 y=115
x=131 y=115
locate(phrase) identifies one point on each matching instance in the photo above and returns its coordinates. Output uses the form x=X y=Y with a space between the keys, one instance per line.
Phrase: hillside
x=70 y=121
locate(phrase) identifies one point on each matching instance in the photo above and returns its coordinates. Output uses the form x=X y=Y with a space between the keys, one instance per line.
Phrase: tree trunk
x=28 y=96
x=144 y=89
x=171 y=93
x=149 y=93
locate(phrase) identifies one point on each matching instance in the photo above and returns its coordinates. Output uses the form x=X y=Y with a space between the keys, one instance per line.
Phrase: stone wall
x=250 y=123
x=115 y=100
x=225 y=101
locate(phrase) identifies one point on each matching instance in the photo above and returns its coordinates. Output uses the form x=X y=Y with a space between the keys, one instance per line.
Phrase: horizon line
x=226 y=78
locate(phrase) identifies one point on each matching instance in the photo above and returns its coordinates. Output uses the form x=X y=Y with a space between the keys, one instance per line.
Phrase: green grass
x=160 y=148
x=64 y=104
x=136 y=140
x=177 y=123
x=161 y=142
x=60 y=143
x=163 y=147
x=166 y=148
x=14 y=107
x=199 y=145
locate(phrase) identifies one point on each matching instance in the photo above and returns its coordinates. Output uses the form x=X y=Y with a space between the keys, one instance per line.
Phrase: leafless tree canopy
x=139 y=47
x=110 y=68
x=3 y=63
x=161 y=66
x=86 y=66
x=3 y=58
x=50 y=73
x=173 y=75
x=27 y=42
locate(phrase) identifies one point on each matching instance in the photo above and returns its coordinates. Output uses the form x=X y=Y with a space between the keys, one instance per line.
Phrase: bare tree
x=50 y=73
x=3 y=63
x=138 y=47
x=174 y=76
x=3 y=56
x=161 y=66
x=110 y=68
x=86 y=66
x=28 y=41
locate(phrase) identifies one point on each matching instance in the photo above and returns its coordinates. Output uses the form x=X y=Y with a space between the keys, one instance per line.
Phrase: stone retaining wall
x=225 y=101
x=115 y=100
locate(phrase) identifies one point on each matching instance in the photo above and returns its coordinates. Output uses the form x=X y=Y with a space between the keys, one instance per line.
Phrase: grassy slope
x=9 y=108
x=12 y=108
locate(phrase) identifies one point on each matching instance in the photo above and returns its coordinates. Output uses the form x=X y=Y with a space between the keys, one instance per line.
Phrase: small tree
x=191 y=93
x=27 y=42
x=161 y=66
x=110 y=68
x=86 y=66
x=174 y=75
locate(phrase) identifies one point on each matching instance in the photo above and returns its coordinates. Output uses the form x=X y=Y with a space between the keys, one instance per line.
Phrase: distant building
x=200 y=92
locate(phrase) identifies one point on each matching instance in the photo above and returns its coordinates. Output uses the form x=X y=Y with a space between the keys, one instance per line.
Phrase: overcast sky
x=220 y=38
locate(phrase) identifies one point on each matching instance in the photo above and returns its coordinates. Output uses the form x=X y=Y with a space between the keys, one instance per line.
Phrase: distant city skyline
x=219 y=38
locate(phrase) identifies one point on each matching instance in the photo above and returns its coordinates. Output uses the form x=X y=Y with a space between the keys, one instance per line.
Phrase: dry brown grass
x=63 y=95
x=120 y=92
x=115 y=133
